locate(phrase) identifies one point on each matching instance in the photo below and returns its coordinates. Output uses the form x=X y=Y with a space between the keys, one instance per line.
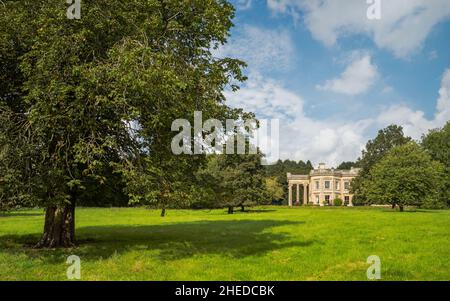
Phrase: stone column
x=321 y=194
x=297 y=201
x=351 y=201
x=305 y=194
x=290 y=195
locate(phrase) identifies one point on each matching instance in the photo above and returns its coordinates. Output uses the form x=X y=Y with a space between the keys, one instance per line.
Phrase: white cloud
x=279 y=5
x=301 y=137
x=262 y=49
x=443 y=104
x=330 y=141
x=357 y=78
x=414 y=122
x=243 y=4
x=403 y=28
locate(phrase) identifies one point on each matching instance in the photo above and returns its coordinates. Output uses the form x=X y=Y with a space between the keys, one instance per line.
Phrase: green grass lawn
x=271 y=243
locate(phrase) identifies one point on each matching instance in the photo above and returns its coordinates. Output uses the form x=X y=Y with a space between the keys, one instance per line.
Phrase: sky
x=334 y=77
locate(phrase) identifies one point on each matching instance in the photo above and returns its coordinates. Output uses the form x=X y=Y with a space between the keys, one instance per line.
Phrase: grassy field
x=270 y=243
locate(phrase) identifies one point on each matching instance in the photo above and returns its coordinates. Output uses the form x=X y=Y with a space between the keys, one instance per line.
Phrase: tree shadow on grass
x=412 y=211
x=250 y=210
x=235 y=239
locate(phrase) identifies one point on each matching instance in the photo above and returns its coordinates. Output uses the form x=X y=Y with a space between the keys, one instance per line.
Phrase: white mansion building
x=322 y=186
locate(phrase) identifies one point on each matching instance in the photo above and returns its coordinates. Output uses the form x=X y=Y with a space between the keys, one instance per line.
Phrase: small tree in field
x=235 y=180
x=406 y=176
x=274 y=189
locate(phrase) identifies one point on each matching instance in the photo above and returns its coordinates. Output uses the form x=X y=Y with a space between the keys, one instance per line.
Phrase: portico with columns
x=300 y=181
x=322 y=186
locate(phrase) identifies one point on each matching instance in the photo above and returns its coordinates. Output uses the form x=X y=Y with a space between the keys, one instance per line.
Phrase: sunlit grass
x=271 y=243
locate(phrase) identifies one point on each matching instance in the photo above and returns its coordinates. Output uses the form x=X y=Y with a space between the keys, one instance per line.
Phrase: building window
x=317 y=199
x=327 y=199
x=338 y=186
x=346 y=200
x=327 y=184
x=347 y=185
x=317 y=185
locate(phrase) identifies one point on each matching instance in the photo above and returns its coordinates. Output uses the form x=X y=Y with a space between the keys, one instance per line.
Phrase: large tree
x=387 y=138
x=79 y=98
x=405 y=176
x=437 y=144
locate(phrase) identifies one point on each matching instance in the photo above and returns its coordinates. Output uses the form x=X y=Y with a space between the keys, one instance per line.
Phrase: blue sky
x=333 y=77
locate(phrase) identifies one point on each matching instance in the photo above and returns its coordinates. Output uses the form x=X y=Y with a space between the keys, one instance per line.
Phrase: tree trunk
x=163 y=212
x=393 y=206
x=230 y=210
x=242 y=208
x=59 y=227
x=401 y=208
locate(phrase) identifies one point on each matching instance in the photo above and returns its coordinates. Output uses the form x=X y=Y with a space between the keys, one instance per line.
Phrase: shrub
x=338 y=202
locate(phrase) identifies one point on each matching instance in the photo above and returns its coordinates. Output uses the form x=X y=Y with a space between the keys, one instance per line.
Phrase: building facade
x=322 y=186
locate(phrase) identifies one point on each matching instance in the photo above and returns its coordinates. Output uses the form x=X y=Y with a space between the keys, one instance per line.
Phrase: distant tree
x=237 y=180
x=405 y=176
x=437 y=144
x=282 y=168
x=347 y=165
x=387 y=138
x=274 y=189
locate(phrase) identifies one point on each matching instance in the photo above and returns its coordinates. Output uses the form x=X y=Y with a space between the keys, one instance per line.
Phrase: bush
x=338 y=202
x=433 y=203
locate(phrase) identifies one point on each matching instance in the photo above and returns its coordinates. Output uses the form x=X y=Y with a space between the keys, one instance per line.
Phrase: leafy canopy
x=406 y=176
x=386 y=139
x=81 y=100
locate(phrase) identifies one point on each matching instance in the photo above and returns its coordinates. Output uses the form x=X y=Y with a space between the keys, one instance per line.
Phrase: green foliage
x=388 y=138
x=274 y=189
x=347 y=165
x=338 y=202
x=281 y=168
x=235 y=180
x=437 y=144
x=406 y=176
x=88 y=103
